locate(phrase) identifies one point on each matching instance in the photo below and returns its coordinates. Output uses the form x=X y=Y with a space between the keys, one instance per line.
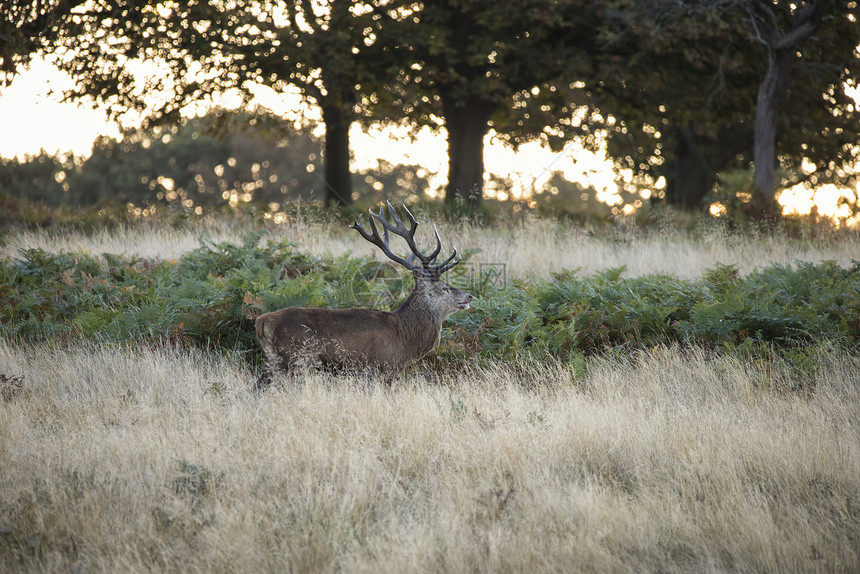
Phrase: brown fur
x=298 y=337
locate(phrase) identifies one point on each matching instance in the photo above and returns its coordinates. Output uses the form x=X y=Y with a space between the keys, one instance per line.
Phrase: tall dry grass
x=161 y=460
x=121 y=459
x=526 y=248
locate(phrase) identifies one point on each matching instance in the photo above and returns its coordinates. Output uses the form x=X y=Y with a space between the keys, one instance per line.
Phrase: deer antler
x=398 y=228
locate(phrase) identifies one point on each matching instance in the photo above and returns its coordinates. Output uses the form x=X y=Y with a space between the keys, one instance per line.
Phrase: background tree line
x=686 y=91
x=242 y=159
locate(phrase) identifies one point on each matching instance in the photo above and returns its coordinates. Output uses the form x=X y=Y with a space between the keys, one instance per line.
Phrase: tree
x=482 y=64
x=327 y=50
x=24 y=26
x=670 y=96
x=682 y=82
x=782 y=28
x=334 y=58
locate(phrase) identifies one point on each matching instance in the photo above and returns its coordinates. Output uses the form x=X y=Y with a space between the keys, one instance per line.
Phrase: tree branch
x=793 y=37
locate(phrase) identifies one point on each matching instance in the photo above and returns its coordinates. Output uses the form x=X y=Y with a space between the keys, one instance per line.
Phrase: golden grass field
x=123 y=459
x=527 y=247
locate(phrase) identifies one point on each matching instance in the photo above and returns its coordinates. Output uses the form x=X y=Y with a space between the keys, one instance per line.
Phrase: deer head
x=430 y=292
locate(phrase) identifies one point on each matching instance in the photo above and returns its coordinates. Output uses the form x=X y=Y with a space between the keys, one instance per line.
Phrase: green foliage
x=678 y=85
x=211 y=296
x=778 y=308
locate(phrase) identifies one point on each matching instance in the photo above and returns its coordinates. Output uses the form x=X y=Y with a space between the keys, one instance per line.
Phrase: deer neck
x=421 y=325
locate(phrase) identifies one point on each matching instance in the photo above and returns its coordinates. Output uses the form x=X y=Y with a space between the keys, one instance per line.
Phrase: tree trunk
x=770 y=96
x=467 y=125
x=338 y=179
x=693 y=177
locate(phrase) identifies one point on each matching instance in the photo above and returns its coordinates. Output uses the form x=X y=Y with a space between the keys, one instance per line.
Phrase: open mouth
x=463 y=305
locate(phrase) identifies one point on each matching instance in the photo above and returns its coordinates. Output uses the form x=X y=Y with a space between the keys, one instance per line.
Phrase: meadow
x=528 y=247
x=647 y=452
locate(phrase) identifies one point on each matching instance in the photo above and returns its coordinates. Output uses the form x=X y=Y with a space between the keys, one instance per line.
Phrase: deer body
x=295 y=337
x=388 y=341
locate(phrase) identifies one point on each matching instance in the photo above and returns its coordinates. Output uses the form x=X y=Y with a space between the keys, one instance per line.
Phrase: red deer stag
x=384 y=340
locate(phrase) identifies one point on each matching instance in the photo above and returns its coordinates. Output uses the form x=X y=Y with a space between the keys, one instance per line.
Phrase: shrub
x=211 y=296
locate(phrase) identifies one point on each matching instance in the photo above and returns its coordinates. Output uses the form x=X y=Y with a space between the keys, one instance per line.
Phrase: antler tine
x=383 y=244
x=432 y=256
x=392 y=213
x=359 y=226
x=448 y=264
x=375 y=231
x=397 y=227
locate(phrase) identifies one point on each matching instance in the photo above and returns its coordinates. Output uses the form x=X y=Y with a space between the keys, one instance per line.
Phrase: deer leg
x=272 y=364
x=265 y=379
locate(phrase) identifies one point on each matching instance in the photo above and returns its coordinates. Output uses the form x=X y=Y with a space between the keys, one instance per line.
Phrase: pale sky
x=32 y=117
